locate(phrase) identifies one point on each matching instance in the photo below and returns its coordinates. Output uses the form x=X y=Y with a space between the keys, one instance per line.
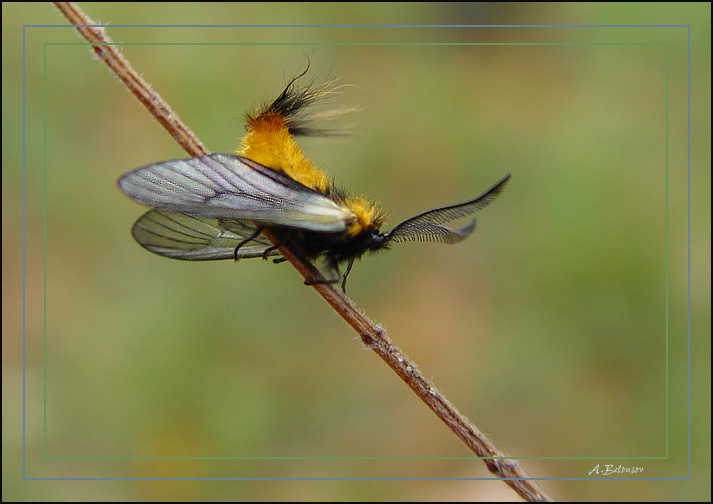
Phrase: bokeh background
x=547 y=328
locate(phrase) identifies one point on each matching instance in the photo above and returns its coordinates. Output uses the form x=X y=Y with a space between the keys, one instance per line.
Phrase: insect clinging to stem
x=216 y=206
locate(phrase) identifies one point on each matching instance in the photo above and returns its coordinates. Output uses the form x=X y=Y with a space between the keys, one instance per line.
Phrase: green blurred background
x=547 y=328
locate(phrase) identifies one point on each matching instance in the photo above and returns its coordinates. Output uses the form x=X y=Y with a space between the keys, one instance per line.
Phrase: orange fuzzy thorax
x=367 y=215
x=270 y=143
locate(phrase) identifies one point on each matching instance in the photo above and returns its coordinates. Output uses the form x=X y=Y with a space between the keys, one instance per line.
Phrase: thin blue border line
x=24 y=197
x=459 y=457
x=605 y=478
x=354 y=26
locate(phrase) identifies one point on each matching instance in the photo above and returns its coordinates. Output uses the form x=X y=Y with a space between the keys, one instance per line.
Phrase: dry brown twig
x=373 y=336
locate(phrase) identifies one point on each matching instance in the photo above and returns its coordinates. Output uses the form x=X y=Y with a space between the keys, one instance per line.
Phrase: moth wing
x=197 y=238
x=226 y=186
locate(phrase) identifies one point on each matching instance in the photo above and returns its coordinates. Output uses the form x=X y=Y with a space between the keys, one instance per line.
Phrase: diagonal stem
x=373 y=336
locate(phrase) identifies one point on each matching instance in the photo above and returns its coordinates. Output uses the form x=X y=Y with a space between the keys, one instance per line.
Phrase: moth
x=216 y=206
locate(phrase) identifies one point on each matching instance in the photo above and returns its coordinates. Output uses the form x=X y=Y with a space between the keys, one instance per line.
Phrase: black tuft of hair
x=293 y=102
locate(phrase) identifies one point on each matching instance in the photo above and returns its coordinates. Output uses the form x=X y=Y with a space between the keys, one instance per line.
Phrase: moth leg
x=346 y=273
x=247 y=240
x=332 y=270
x=270 y=249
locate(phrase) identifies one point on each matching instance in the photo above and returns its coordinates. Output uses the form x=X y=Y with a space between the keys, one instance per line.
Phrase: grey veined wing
x=197 y=238
x=428 y=226
x=226 y=186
